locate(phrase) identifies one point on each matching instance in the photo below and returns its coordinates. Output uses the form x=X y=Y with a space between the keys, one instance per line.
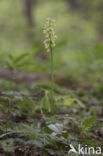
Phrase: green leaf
x=21 y=57
x=57 y=128
x=96 y=128
x=80 y=103
x=35 y=142
x=45 y=103
x=88 y=122
x=10 y=65
x=51 y=151
x=65 y=134
x=8 y=145
x=68 y=101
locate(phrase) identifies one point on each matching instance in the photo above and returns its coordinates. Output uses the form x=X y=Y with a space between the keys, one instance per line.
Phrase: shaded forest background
x=78 y=53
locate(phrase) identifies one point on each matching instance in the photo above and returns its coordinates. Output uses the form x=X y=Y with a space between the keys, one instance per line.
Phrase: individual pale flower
x=49 y=32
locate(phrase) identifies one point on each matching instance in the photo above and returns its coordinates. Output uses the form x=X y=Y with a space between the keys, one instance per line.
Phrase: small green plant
x=49 y=43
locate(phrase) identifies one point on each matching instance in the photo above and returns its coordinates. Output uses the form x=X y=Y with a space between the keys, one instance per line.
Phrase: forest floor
x=27 y=129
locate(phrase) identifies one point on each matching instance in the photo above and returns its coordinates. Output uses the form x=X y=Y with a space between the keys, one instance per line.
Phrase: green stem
x=52 y=77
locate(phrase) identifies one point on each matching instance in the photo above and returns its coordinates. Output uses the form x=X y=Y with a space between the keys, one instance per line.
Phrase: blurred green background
x=78 y=54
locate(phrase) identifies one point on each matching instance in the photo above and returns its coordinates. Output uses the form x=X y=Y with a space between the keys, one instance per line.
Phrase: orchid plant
x=49 y=43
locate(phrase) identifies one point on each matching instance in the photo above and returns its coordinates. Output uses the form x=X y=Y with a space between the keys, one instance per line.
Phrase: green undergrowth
x=27 y=128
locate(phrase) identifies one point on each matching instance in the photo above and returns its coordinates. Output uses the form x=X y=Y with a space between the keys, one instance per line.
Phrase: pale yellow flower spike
x=49 y=32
